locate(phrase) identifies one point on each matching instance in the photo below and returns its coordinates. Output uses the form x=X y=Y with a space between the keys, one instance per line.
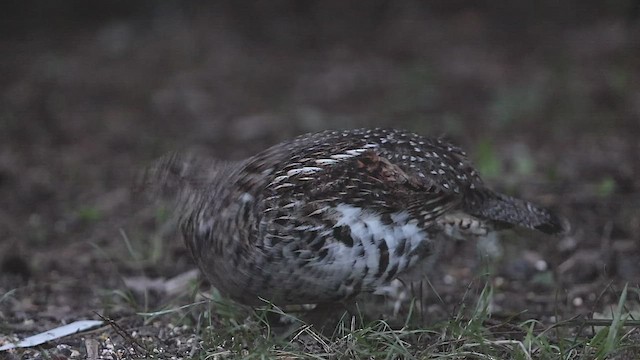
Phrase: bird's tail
x=507 y=211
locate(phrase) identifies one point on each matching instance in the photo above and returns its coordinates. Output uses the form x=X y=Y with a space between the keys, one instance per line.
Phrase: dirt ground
x=545 y=99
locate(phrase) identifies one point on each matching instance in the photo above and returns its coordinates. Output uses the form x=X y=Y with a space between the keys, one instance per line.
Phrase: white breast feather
x=367 y=228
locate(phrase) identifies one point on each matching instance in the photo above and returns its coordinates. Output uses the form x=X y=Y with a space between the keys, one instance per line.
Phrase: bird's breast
x=383 y=244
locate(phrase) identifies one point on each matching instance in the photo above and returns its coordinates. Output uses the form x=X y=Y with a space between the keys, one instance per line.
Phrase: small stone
x=577 y=301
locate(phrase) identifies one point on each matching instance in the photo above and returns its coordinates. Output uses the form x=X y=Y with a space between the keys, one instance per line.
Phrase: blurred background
x=544 y=96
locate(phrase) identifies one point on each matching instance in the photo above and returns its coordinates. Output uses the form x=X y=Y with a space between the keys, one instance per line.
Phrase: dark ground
x=545 y=99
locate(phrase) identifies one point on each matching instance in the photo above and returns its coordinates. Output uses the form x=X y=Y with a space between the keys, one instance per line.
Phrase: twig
x=124 y=335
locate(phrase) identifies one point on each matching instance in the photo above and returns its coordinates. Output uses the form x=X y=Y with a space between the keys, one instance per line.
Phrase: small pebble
x=577 y=301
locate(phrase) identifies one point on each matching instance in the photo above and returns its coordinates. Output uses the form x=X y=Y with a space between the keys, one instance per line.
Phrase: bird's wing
x=358 y=177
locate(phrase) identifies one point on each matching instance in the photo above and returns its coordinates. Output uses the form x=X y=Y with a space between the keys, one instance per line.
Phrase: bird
x=326 y=216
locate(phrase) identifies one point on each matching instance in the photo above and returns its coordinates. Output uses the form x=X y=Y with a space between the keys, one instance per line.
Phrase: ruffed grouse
x=326 y=216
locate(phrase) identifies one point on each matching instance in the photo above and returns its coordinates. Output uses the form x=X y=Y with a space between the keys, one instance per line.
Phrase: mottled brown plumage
x=326 y=216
